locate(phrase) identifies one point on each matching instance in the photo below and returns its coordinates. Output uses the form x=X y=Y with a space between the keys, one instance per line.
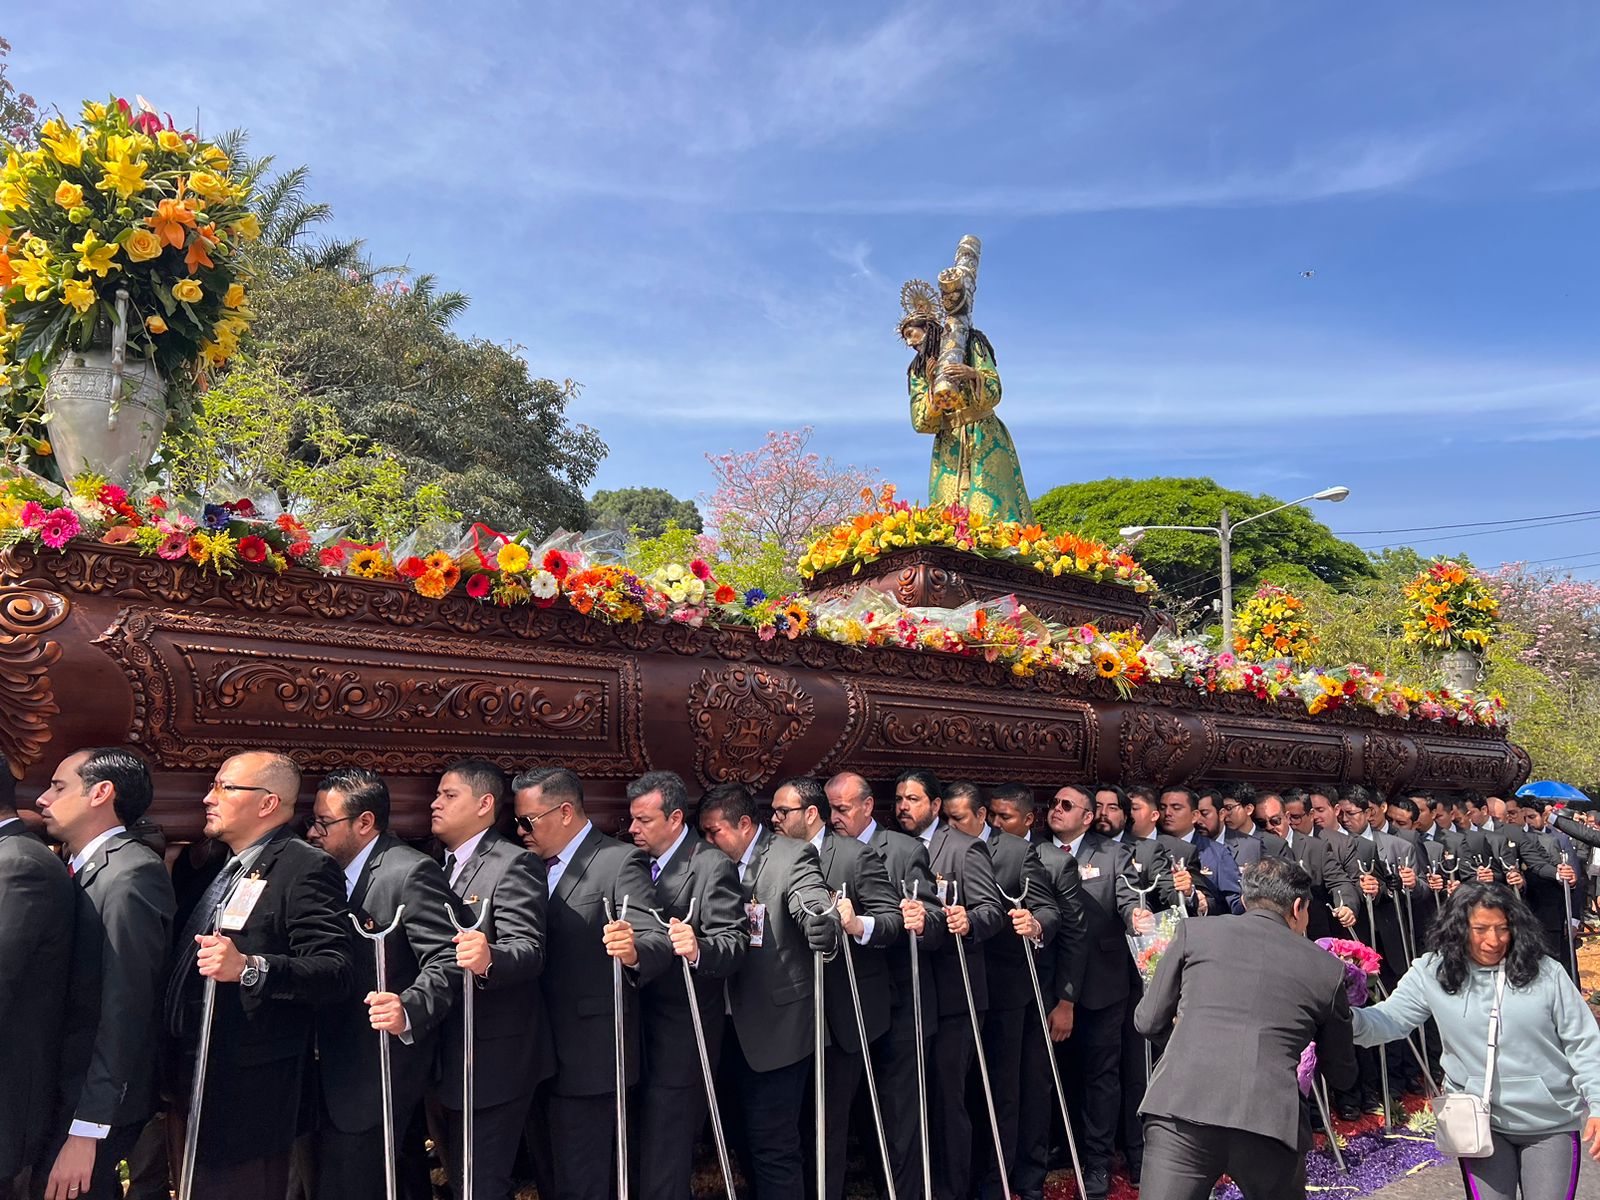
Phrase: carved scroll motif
x=1278 y=754
x=1154 y=746
x=27 y=700
x=743 y=718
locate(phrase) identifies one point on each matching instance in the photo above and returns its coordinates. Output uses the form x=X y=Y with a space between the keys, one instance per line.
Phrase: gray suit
x=1252 y=995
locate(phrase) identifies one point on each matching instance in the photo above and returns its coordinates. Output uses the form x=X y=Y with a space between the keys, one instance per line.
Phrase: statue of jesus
x=954 y=388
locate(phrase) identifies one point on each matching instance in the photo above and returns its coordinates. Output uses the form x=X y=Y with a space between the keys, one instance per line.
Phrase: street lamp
x=1224 y=529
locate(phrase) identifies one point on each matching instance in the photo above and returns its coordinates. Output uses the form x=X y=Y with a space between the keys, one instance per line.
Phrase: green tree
x=1290 y=547
x=645 y=511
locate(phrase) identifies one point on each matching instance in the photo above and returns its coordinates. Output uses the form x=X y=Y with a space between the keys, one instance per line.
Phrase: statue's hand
x=960 y=373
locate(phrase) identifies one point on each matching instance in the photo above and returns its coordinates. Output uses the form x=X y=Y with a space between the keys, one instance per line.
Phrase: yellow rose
x=187 y=290
x=155 y=325
x=235 y=296
x=69 y=195
x=204 y=183
x=170 y=141
x=142 y=245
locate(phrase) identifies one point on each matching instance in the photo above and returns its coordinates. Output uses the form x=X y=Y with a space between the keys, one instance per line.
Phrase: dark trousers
x=894 y=1057
x=949 y=1118
x=767 y=1132
x=1094 y=1055
x=573 y=1140
x=496 y=1132
x=265 y=1178
x=1003 y=1034
x=1183 y=1160
x=104 y=1183
x=1130 y=1126
x=844 y=1073
x=349 y=1166
x=1038 y=1111
x=670 y=1120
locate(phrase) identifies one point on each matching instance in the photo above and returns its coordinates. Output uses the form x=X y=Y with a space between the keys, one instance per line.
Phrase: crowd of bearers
x=117 y=974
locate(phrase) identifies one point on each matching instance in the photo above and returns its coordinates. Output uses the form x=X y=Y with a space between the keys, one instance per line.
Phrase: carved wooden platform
x=99 y=645
x=934 y=577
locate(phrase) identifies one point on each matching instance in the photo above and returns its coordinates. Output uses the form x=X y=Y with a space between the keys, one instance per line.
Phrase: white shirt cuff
x=405 y=1034
x=88 y=1129
x=865 y=936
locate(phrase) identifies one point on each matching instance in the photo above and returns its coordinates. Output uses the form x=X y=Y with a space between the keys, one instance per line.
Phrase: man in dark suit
x=40 y=907
x=1548 y=855
x=688 y=872
x=1239 y=832
x=283 y=949
x=504 y=959
x=869 y=908
x=573 y=1129
x=1172 y=863
x=905 y=858
x=769 y=1047
x=1219 y=873
x=94 y=797
x=1093 y=1052
x=350 y=822
x=977 y=914
x=1253 y=993
x=1060 y=963
x=1332 y=891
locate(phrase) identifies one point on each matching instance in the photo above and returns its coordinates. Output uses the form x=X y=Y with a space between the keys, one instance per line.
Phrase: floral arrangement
x=890 y=524
x=1360 y=963
x=1148 y=949
x=1449 y=607
x=1271 y=624
x=122 y=200
x=492 y=567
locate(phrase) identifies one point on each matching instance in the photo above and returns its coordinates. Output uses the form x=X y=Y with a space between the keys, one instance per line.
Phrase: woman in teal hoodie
x=1547 y=1071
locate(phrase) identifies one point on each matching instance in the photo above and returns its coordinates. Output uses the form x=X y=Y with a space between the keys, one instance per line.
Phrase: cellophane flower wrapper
x=1148 y=949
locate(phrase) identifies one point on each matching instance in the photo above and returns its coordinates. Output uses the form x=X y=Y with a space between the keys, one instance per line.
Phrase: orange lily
x=199 y=254
x=169 y=222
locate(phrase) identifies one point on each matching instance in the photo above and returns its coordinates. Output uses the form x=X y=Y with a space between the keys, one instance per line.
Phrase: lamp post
x=1224 y=530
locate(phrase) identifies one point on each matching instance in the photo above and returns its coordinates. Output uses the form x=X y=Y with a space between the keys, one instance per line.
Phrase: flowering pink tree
x=1560 y=619
x=782 y=492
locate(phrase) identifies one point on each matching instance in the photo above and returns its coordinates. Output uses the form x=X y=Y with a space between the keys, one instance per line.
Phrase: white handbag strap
x=1494 y=1033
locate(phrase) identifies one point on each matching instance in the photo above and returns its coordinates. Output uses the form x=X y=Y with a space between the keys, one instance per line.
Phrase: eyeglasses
x=218 y=786
x=323 y=824
x=782 y=813
x=1276 y=821
x=1062 y=802
x=526 y=824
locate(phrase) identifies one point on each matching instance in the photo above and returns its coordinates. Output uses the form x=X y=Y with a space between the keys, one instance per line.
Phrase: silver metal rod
x=468 y=1048
x=197 y=1088
x=983 y=1059
x=866 y=1058
x=619 y=1046
x=1566 y=930
x=1327 y=1122
x=909 y=889
x=386 y=1076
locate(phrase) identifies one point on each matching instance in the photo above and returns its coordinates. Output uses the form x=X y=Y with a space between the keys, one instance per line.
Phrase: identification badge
x=756 y=914
x=242 y=903
x=1091 y=873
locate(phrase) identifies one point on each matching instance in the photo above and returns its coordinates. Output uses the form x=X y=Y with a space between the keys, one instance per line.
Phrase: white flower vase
x=106 y=414
x=1462 y=669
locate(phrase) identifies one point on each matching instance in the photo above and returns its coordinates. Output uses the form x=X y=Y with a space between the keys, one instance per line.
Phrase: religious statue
x=954 y=389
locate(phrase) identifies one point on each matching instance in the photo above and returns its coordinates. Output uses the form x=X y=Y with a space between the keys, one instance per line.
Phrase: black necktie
x=450 y=867
x=183 y=969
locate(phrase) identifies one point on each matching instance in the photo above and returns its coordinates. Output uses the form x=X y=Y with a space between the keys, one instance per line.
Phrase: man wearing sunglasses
x=572 y=1129
x=283 y=949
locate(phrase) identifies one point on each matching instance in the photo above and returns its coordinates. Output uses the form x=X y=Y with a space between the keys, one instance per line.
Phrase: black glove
x=822 y=934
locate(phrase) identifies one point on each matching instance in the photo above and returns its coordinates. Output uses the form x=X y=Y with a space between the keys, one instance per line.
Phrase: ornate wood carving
x=743 y=718
x=1387 y=761
x=207 y=683
x=1267 y=753
x=27 y=699
x=1155 y=746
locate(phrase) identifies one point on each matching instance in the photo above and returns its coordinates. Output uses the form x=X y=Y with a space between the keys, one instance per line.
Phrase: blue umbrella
x=1551 y=789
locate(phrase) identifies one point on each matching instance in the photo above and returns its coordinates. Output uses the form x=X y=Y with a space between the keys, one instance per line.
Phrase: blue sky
x=704 y=214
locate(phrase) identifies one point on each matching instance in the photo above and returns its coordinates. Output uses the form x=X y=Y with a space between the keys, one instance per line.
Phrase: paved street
x=1443 y=1182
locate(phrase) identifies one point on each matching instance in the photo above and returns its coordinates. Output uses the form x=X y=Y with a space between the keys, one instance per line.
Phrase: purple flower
x=216 y=517
x=1307 y=1070
x=754 y=597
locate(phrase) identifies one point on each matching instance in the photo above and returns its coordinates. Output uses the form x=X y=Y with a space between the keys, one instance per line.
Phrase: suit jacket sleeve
x=980 y=893
x=1041 y=897
x=1336 y=878
x=1121 y=886
x=650 y=941
x=1576 y=830
x=137 y=925
x=1537 y=859
x=1336 y=1051
x=83 y=1003
x=319 y=968
x=29 y=891
x=808 y=889
x=876 y=898
x=1072 y=942
x=721 y=930
x=1159 y=1008
x=426 y=922
x=920 y=875
x=516 y=955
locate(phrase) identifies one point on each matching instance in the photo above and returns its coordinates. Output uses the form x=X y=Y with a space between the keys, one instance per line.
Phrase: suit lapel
x=826 y=854
x=578 y=864
x=675 y=876
x=358 y=894
x=102 y=855
x=474 y=864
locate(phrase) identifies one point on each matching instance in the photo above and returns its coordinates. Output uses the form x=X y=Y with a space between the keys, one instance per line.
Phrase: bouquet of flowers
x=1449 y=607
x=1148 y=949
x=1272 y=625
x=1359 y=961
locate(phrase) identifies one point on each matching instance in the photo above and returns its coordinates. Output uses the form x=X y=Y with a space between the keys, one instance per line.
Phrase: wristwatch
x=255 y=970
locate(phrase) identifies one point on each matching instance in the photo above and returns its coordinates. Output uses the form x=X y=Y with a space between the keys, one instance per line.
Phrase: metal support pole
x=197 y=1088
x=1572 y=942
x=983 y=1059
x=385 y=1073
x=619 y=1046
x=866 y=1057
x=468 y=1049
x=1321 y=1096
x=909 y=891
x=1225 y=530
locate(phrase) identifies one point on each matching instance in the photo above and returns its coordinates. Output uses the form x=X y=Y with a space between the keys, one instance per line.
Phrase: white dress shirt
x=463 y=852
x=660 y=864
x=353 y=871
x=866 y=922
x=82 y=856
x=560 y=865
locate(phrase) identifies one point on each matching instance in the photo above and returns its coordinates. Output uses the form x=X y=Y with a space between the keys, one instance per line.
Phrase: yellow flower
x=142 y=245
x=64 y=142
x=13 y=196
x=69 y=195
x=123 y=177
x=213 y=353
x=155 y=324
x=187 y=290
x=97 y=255
x=34 y=276
x=235 y=296
x=208 y=185
x=170 y=141
x=215 y=157
x=512 y=558
x=248 y=227
x=77 y=293
x=126 y=145
x=93 y=111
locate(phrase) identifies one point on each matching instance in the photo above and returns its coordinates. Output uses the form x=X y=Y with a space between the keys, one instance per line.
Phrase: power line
x=1349 y=533
x=1478 y=533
